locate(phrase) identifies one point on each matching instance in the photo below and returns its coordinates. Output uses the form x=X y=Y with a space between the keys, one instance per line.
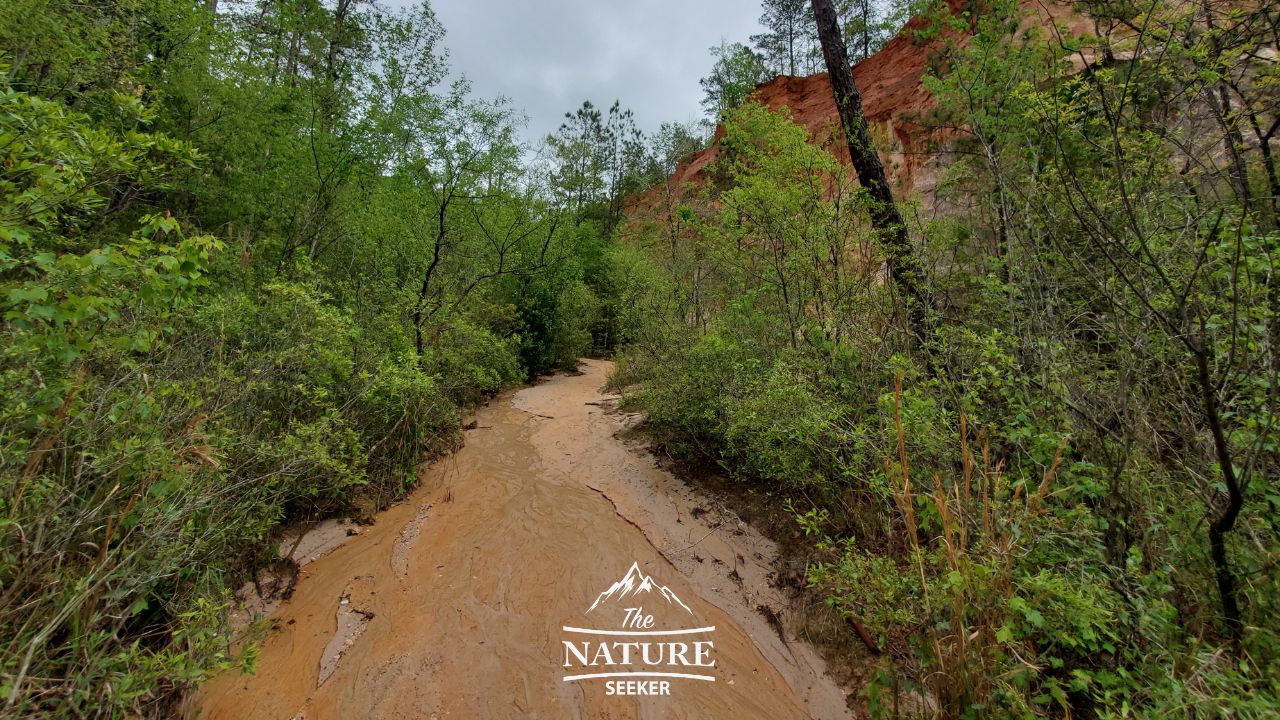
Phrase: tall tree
x=624 y=151
x=869 y=24
x=737 y=71
x=598 y=155
x=860 y=26
x=788 y=39
x=905 y=269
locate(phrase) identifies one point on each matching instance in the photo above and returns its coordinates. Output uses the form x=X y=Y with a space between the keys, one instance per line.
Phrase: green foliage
x=688 y=411
x=599 y=158
x=783 y=431
x=736 y=72
x=869 y=587
x=171 y=400
x=470 y=363
x=789 y=44
x=61 y=171
x=550 y=337
x=1063 y=506
x=403 y=416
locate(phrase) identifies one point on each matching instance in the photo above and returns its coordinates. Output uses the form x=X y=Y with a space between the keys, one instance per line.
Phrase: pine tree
x=788 y=42
x=905 y=269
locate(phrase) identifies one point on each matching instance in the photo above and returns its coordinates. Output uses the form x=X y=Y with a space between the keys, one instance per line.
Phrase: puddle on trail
x=453 y=604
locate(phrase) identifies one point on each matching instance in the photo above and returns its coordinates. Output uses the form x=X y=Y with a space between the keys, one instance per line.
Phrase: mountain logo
x=635 y=583
x=629 y=649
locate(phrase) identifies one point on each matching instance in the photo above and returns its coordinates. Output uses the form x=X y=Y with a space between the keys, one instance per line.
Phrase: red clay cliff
x=894 y=98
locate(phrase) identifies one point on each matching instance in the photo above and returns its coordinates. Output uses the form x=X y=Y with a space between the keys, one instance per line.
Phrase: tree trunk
x=436 y=251
x=1225 y=522
x=905 y=270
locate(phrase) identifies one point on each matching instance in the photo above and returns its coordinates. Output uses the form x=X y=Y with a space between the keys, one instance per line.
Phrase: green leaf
x=30 y=293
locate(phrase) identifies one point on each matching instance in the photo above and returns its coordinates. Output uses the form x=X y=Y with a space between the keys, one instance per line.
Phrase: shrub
x=471 y=363
x=403 y=418
x=782 y=432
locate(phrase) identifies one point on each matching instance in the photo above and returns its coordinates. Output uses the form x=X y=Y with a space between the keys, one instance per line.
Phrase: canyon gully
x=546 y=569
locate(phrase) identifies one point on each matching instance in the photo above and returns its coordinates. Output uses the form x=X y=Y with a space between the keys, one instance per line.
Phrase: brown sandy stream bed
x=454 y=604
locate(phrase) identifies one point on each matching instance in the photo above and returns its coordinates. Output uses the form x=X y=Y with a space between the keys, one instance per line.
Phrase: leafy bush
x=783 y=431
x=404 y=417
x=684 y=394
x=471 y=363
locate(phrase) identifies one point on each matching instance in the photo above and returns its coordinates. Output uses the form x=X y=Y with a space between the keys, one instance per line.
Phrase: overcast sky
x=547 y=56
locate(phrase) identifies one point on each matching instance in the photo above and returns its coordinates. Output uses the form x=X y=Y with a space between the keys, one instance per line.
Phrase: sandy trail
x=453 y=604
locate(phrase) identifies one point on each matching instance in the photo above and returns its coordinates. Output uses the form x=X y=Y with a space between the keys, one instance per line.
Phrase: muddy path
x=455 y=603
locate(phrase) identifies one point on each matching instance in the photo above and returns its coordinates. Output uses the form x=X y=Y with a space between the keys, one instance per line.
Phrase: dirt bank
x=456 y=602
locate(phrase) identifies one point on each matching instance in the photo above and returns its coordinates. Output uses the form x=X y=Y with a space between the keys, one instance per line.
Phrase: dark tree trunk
x=436 y=252
x=1225 y=522
x=905 y=270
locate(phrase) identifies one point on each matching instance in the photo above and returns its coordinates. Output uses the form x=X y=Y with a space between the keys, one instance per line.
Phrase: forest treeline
x=258 y=257
x=1056 y=494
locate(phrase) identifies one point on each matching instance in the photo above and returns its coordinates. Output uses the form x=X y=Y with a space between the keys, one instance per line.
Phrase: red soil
x=894 y=98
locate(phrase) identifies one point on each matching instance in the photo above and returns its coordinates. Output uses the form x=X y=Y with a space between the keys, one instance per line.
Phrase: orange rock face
x=894 y=98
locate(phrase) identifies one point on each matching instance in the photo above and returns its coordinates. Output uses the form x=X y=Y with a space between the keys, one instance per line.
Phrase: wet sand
x=454 y=604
